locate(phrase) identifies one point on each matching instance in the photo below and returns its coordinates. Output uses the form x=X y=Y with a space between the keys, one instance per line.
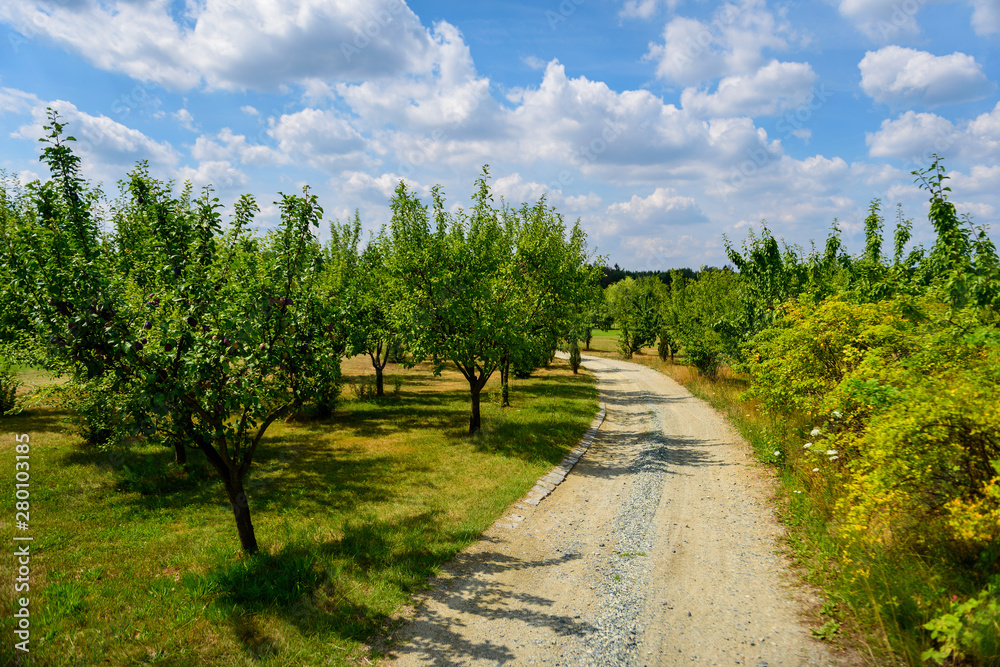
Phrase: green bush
x=703 y=316
x=967 y=629
x=574 y=355
x=924 y=471
x=103 y=418
x=324 y=386
x=8 y=392
x=809 y=351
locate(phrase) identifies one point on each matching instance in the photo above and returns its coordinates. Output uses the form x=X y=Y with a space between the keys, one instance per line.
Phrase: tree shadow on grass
x=150 y=472
x=434 y=411
x=545 y=440
x=39 y=420
x=448 y=411
x=305 y=474
x=300 y=473
x=408 y=381
x=333 y=589
x=553 y=385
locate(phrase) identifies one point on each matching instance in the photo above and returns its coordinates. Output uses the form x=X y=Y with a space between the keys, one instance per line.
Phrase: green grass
x=136 y=561
x=605 y=343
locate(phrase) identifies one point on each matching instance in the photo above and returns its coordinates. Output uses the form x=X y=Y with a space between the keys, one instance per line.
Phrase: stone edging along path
x=548 y=482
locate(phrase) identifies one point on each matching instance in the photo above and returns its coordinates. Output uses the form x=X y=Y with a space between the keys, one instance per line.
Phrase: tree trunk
x=180 y=451
x=588 y=337
x=474 y=421
x=184 y=429
x=378 y=362
x=505 y=383
x=229 y=472
x=241 y=512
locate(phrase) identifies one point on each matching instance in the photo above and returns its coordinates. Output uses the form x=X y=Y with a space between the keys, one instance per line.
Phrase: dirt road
x=659 y=548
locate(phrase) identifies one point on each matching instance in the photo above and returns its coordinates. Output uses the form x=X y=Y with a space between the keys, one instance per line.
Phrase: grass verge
x=136 y=561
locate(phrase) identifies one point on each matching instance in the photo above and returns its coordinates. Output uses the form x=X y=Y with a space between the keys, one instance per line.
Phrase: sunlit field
x=136 y=560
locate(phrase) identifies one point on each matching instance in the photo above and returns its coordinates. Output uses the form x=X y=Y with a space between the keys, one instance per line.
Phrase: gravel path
x=659 y=548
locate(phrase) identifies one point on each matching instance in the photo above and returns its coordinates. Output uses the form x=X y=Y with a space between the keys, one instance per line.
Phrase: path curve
x=659 y=548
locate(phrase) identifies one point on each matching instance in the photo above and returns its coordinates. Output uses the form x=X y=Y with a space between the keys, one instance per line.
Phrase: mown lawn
x=137 y=561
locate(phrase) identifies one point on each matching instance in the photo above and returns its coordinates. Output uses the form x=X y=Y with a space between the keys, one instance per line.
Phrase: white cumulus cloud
x=108 y=148
x=186 y=119
x=911 y=136
x=772 y=89
x=258 y=44
x=221 y=175
x=321 y=138
x=900 y=76
x=914 y=137
x=17 y=101
x=663 y=208
x=226 y=145
x=733 y=42
x=883 y=20
x=985 y=17
x=645 y=9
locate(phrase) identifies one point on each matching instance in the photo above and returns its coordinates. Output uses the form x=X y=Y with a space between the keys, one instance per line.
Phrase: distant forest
x=616 y=273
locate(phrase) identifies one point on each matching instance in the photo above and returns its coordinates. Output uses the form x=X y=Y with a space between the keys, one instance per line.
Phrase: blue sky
x=663 y=125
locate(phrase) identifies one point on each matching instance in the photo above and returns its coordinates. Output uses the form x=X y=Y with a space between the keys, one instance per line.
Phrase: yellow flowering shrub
x=910 y=415
x=884 y=393
x=977 y=519
x=811 y=349
x=926 y=469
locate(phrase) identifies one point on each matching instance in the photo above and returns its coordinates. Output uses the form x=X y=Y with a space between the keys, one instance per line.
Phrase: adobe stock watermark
x=422 y=154
x=588 y=153
x=22 y=546
x=795 y=119
x=901 y=17
x=697 y=44
x=565 y=10
x=757 y=158
x=19 y=37
x=371 y=29
x=139 y=97
x=790 y=124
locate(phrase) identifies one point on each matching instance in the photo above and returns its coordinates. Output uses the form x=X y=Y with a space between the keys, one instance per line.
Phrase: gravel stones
x=657 y=548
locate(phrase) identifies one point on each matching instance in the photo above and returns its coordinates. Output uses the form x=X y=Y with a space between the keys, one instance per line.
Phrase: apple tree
x=204 y=332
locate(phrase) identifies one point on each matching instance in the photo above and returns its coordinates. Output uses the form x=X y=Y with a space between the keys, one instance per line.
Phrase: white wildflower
x=837 y=414
x=814 y=432
x=815 y=469
x=807 y=445
x=834 y=458
x=831 y=452
x=777 y=453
